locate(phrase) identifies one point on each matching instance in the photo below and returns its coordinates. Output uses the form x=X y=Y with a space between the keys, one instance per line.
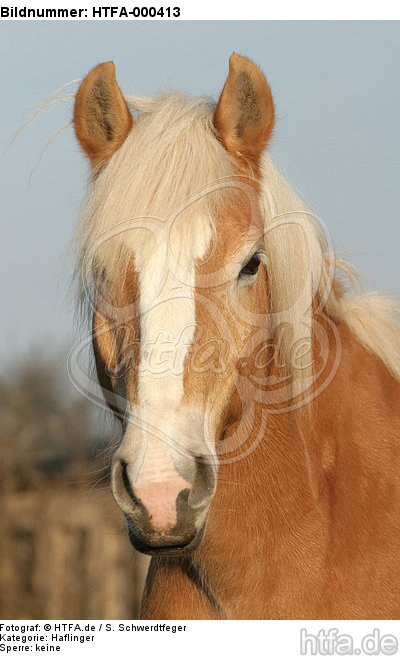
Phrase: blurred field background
x=64 y=550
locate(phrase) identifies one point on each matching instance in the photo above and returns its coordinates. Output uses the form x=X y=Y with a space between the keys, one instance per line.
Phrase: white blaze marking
x=159 y=484
x=167 y=322
x=167 y=329
x=167 y=317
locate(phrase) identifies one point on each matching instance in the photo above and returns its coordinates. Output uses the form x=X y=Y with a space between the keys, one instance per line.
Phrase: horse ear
x=244 y=117
x=102 y=118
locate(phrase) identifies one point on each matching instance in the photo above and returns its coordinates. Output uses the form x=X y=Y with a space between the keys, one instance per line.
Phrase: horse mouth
x=155 y=544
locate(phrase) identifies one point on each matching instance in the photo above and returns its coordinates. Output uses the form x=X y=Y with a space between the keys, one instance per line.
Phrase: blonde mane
x=172 y=153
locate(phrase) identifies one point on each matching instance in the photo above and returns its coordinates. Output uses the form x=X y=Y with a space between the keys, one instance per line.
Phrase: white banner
x=133 y=10
x=275 y=638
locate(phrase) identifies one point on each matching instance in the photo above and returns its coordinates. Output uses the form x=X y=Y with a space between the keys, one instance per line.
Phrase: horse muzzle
x=165 y=506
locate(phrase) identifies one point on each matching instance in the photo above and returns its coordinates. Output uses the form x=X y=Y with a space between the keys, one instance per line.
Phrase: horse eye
x=251 y=268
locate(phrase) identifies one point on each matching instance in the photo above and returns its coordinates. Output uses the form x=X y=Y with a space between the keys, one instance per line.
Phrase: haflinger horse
x=258 y=393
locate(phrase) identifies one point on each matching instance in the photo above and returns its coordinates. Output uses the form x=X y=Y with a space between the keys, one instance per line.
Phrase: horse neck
x=275 y=510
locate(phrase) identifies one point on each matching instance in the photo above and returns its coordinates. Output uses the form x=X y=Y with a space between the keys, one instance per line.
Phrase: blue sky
x=337 y=92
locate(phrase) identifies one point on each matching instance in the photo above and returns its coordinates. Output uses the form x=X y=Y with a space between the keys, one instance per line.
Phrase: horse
x=256 y=388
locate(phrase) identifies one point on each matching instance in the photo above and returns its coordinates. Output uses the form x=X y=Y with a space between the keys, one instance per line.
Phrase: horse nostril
x=122 y=486
x=182 y=502
x=126 y=481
